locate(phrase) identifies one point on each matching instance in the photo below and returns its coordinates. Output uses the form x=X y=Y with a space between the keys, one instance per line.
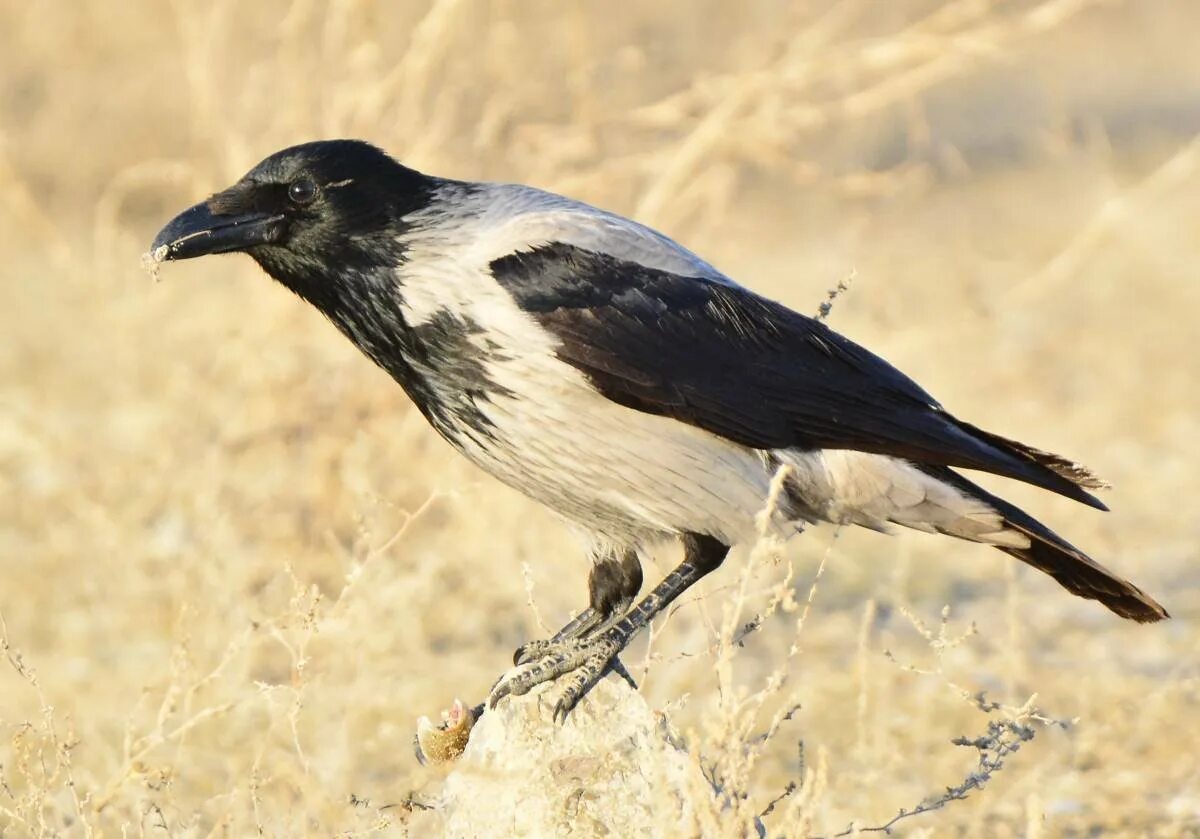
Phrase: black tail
x=1045 y=469
x=1048 y=552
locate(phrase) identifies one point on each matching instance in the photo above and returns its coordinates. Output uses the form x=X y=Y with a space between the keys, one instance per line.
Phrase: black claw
x=532 y=650
x=566 y=704
x=498 y=693
x=618 y=667
x=560 y=713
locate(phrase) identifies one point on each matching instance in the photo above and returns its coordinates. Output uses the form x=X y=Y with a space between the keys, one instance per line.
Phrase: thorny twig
x=384 y=821
x=62 y=746
x=1002 y=739
x=833 y=294
x=527 y=576
x=787 y=793
x=786 y=717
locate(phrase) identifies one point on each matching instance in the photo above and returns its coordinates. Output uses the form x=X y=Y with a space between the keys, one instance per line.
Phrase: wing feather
x=717 y=356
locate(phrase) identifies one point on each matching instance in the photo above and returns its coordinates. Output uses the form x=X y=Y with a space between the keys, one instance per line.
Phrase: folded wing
x=717 y=356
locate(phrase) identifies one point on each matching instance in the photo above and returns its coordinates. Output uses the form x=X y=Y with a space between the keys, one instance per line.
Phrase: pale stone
x=612 y=769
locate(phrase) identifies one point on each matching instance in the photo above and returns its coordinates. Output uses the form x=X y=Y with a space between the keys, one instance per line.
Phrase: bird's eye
x=302 y=191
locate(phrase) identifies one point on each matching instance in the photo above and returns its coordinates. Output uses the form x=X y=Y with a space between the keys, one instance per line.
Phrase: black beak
x=198 y=232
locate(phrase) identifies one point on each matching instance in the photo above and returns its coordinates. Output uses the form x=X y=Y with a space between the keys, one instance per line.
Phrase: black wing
x=719 y=357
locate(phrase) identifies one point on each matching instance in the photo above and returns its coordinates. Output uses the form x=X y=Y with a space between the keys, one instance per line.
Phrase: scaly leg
x=581 y=660
x=613 y=583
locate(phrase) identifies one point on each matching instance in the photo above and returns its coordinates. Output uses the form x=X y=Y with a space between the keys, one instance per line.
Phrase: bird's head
x=303 y=209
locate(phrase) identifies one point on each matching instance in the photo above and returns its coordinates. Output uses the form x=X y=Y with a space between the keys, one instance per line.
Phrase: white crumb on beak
x=152 y=260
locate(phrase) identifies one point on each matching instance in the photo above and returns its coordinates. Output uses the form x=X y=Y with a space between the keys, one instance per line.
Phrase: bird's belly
x=613 y=471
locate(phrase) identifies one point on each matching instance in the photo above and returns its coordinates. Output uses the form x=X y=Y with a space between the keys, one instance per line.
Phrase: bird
x=611 y=374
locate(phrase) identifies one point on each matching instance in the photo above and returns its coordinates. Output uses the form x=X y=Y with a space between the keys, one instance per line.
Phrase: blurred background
x=235 y=564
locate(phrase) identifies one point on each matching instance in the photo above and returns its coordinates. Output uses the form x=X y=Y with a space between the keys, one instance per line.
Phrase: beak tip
x=185 y=225
x=159 y=252
x=198 y=232
x=152 y=260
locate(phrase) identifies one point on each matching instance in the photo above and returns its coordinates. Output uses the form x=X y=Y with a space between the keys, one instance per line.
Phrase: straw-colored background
x=235 y=565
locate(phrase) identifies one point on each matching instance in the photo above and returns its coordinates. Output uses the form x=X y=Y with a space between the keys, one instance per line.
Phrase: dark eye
x=302 y=191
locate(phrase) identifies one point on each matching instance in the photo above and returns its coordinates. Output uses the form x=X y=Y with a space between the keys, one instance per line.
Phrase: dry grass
x=237 y=566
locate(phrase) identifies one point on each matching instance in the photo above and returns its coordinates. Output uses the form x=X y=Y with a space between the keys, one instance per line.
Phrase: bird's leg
x=582 y=660
x=581 y=624
x=613 y=583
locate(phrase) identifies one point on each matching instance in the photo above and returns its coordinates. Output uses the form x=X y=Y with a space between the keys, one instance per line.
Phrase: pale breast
x=613 y=470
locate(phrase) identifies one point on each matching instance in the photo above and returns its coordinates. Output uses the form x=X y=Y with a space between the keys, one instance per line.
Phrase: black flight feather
x=719 y=357
x=1048 y=552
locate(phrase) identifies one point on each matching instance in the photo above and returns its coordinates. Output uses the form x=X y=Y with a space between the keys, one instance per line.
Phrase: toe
x=531 y=651
x=576 y=664
x=500 y=691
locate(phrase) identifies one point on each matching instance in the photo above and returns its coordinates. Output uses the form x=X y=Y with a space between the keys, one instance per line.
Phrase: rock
x=612 y=769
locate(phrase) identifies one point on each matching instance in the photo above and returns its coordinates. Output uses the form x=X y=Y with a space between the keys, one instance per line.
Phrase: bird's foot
x=532 y=651
x=575 y=665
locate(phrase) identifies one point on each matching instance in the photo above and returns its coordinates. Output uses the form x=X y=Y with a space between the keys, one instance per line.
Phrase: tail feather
x=1076 y=473
x=1050 y=553
x=1065 y=477
x=1080 y=574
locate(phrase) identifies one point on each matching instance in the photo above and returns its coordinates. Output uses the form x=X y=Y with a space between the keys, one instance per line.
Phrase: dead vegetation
x=237 y=567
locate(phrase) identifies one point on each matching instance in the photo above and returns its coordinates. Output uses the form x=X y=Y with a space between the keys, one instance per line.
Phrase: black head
x=304 y=213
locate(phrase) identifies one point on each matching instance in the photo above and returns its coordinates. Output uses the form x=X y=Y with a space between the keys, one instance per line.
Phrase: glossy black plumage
x=722 y=358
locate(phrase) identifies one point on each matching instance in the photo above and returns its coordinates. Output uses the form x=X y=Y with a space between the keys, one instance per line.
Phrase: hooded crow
x=616 y=377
